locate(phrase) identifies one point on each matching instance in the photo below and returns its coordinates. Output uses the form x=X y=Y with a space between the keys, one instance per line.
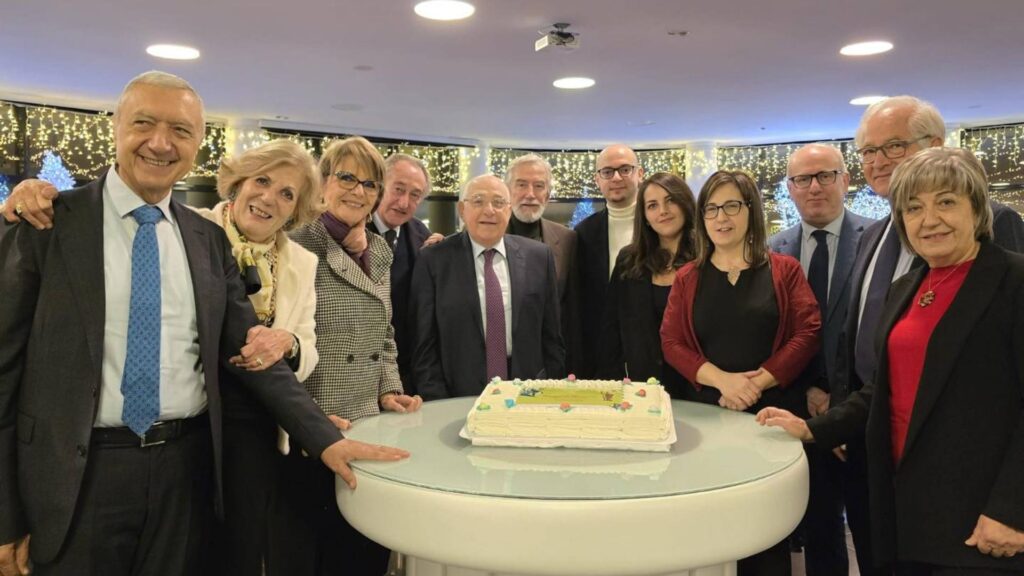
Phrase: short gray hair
x=400 y=157
x=924 y=120
x=465 y=187
x=939 y=169
x=162 y=80
x=529 y=158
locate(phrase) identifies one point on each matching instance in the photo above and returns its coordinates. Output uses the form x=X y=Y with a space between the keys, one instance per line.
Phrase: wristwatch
x=295 y=349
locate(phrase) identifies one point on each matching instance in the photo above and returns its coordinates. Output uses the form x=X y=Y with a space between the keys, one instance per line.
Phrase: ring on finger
x=19 y=208
x=259 y=362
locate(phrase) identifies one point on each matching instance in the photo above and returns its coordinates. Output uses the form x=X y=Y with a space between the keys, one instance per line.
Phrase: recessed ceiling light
x=866 y=48
x=444 y=9
x=573 y=83
x=173 y=52
x=867 y=100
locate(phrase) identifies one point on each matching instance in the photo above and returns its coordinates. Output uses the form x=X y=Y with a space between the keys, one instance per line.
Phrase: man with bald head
x=599 y=238
x=890 y=132
x=485 y=303
x=825 y=243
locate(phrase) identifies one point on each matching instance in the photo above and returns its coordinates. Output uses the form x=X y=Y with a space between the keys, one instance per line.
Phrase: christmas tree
x=785 y=206
x=866 y=203
x=5 y=189
x=583 y=209
x=54 y=172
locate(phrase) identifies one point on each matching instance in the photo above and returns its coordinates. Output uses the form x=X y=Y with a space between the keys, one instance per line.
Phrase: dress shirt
x=906 y=260
x=808 y=244
x=382 y=227
x=500 y=265
x=620 y=232
x=182 y=386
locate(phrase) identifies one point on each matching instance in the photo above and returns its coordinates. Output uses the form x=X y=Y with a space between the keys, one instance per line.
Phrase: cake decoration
x=642 y=392
x=565 y=406
x=509 y=402
x=483 y=406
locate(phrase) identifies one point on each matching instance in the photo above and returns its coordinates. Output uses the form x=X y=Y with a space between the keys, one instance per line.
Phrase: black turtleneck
x=531 y=231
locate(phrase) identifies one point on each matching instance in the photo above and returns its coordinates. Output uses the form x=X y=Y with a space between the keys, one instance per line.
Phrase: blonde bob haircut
x=366 y=156
x=235 y=170
x=939 y=170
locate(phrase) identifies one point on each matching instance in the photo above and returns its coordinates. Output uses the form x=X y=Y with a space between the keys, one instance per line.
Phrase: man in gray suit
x=825 y=243
x=119 y=324
x=486 y=303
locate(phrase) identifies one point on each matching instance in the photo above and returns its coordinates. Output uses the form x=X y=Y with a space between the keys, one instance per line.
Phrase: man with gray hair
x=120 y=322
x=890 y=132
x=406 y=184
x=485 y=303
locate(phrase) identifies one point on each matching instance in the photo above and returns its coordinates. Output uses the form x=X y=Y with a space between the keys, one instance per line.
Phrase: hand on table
x=739 y=392
x=794 y=425
x=338 y=455
x=401 y=403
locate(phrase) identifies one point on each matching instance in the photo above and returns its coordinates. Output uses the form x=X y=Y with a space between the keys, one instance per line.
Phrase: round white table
x=728 y=489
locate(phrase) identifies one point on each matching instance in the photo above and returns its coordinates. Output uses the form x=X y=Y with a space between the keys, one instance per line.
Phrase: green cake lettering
x=573 y=396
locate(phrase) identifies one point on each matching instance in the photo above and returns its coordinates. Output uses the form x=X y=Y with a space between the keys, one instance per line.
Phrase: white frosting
x=641 y=415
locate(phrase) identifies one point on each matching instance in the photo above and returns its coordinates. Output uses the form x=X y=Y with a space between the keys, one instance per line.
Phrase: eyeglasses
x=478 y=202
x=731 y=208
x=349 y=181
x=824 y=178
x=891 y=150
x=609 y=173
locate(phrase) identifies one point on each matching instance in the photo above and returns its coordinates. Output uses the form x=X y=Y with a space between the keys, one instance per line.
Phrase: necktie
x=881 y=278
x=390 y=236
x=497 y=357
x=817 y=272
x=140 y=383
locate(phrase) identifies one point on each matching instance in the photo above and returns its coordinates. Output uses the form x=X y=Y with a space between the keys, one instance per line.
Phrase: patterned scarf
x=261 y=256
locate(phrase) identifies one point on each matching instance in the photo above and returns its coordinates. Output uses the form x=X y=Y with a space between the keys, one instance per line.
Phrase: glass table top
x=716 y=448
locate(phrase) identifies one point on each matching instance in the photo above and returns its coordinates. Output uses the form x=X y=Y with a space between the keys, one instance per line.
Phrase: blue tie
x=881 y=278
x=140 y=384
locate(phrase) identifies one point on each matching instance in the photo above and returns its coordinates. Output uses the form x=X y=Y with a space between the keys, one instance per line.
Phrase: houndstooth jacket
x=354 y=336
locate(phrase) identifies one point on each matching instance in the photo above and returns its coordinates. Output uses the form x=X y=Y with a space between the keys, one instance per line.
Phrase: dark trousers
x=774 y=561
x=825 y=551
x=309 y=526
x=855 y=495
x=251 y=472
x=141 y=511
x=918 y=569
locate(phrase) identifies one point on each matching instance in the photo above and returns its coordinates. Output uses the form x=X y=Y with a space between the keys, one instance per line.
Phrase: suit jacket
x=964 y=450
x=562 y=242
x=355 y=339
x=592 y=285
x=450 y=348
x=789 y=242
x=407 y=250
x=52 y=315
x=1008 y=232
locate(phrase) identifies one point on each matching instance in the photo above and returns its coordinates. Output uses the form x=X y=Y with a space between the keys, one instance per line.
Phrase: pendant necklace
x=929 y=296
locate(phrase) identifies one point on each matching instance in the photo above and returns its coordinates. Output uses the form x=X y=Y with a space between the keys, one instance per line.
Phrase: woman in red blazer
x=741 y=322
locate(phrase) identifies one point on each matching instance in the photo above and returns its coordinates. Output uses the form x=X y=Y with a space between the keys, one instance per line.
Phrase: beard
x=528 y=217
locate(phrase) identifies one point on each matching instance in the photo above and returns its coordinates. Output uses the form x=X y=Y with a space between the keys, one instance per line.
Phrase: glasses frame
x=739 y=204
x=885 y=148
x=629 y=170
x=373 y=186
x=833 y=175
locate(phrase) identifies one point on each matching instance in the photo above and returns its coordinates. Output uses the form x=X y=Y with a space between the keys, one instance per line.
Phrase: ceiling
x=748 y=71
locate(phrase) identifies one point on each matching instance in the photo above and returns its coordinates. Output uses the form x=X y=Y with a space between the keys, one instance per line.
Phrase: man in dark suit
x=486 y=304
x=825 y=242
x=890 y=132
x=406 y=184
x=528 y=178
x=599 y=238
x=120 y=323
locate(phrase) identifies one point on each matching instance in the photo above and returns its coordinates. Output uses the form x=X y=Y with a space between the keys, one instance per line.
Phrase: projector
x=557 y=36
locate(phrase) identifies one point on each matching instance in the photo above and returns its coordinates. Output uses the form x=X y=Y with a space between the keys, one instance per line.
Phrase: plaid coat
x=354 y=336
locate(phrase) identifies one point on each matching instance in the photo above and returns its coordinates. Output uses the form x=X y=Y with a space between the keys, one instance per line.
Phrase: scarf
x=254 y=260
x=338 y=230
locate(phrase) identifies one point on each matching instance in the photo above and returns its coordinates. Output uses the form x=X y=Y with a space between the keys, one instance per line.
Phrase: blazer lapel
x=517 y=278
x=953 y=330
x=80 y=235
x=194 y=238
x=845 y=253
x=345 y=267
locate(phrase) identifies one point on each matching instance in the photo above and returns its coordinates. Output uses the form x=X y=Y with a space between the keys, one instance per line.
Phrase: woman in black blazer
x=944 y=414
x=640 y=283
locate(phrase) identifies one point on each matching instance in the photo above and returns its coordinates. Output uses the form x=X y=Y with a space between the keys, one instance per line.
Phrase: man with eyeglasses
x=599 y=238
x=825 y=243
x=486 y=303
x=406 y=184
x=890 y=132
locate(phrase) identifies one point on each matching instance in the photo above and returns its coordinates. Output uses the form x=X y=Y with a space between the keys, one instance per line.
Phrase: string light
x=8 y=133
x=572 y=172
